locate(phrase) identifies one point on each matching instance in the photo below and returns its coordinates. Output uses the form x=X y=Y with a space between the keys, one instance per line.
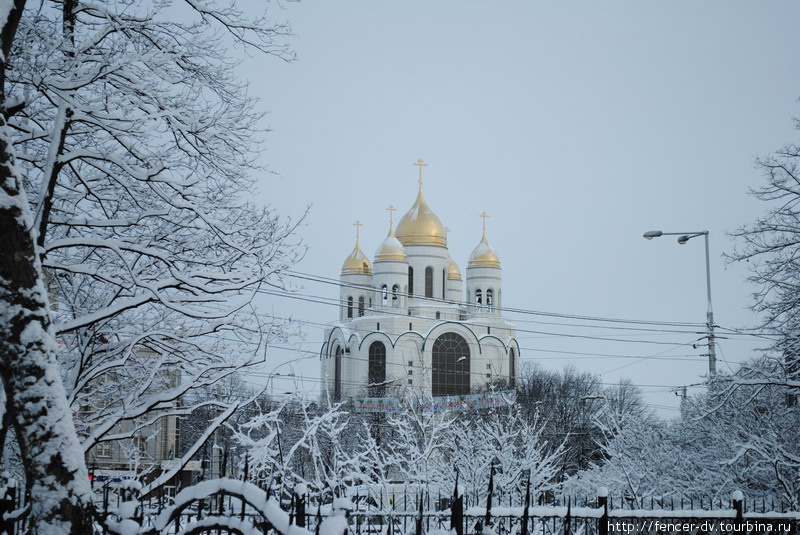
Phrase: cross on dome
x=419 y=163
x=391 y=215
x=357 y=224
x=484 y=215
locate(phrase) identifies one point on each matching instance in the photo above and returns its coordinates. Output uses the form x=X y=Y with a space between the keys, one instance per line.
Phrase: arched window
x=395 y=298
x=489 y=300
x=428 y=281
x=444 y=282
x=377 y=370
x=360 y=306
x=350 y=307
x=410 y=281
x=384 y=294
x=337 y=374
x=451 y=358
x=512 y=374
x=478 y=300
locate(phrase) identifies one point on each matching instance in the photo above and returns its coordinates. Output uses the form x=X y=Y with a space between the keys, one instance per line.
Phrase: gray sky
x=576 y=125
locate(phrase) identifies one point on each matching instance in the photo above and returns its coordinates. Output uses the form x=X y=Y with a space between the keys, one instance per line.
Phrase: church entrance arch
x=451 y=358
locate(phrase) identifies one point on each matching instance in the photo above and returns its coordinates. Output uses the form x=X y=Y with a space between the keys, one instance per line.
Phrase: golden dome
x=420 y=226
x=483 y=255
x=357 y=262
x=453 y=273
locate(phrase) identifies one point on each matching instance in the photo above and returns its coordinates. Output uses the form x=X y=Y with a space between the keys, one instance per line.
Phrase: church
x=407 y=325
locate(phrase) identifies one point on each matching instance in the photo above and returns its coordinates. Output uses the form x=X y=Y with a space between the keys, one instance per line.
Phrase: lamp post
x=682 y=239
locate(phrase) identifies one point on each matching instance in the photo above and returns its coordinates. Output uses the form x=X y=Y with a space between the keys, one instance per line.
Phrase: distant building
x=406 y=324
x=151 y=443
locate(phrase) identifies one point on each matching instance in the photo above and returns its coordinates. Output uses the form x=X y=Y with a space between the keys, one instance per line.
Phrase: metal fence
x=421 y=512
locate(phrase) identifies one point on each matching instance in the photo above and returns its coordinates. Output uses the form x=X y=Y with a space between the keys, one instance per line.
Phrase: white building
x=407 y=325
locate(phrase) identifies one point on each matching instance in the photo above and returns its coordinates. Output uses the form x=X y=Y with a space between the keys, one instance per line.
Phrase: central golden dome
x=420 y=226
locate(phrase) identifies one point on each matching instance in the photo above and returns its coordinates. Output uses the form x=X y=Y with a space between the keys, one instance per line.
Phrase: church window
x=512 y=376
x=360 y=306
x=428 y=281
x=337 y=374
x=444 y=282
x=349 y=307
x=489 y=300
x=438 y=315
x=410 y=281
x=395 y=292
x=451 y=365
x=478 y=300
x=411 y=381
x=377 y=369
x=410 y=372
x=384 y=294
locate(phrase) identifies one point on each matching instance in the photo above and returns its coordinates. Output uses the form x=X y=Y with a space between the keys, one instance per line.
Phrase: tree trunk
x=54 y=465
x=55 y=469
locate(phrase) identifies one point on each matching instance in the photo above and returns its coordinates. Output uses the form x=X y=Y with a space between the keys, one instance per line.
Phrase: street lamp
x=271 y=382
x=682 y=239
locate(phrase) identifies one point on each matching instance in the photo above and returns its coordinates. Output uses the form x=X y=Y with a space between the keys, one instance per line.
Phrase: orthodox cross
x=484 y=215
x=390 y=210
x=357 y=224
x=419 y=163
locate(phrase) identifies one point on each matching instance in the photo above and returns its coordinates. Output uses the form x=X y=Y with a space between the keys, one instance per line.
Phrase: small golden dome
x=483 y=255
x=357 y=263
x=420 y=226
x=453 y=273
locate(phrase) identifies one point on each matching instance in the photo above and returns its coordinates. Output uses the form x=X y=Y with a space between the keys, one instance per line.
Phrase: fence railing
x=233 y=506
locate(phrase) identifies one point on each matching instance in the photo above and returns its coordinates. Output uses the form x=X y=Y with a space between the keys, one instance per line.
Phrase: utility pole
x=683 y=238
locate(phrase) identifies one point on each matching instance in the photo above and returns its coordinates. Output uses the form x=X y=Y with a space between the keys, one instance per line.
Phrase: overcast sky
x=576 y=125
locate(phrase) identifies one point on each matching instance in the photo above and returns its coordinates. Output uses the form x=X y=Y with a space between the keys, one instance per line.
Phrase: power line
x=335 y=282
x=339 y=303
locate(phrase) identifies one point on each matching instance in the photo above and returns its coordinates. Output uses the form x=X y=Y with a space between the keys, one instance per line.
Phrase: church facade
x=410 y=325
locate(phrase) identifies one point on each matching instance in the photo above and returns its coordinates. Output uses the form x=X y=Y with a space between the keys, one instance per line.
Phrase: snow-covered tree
x=138 y=146
x=504 y=441
x=128 y=149
x=567 y=404
x=648 y=458
x=35 y=400
x=770 y=245
x=760 y=421
x=745 y=439
x=300 y=442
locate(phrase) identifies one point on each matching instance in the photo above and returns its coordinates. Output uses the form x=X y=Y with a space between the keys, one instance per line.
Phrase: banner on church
x=463 y=402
